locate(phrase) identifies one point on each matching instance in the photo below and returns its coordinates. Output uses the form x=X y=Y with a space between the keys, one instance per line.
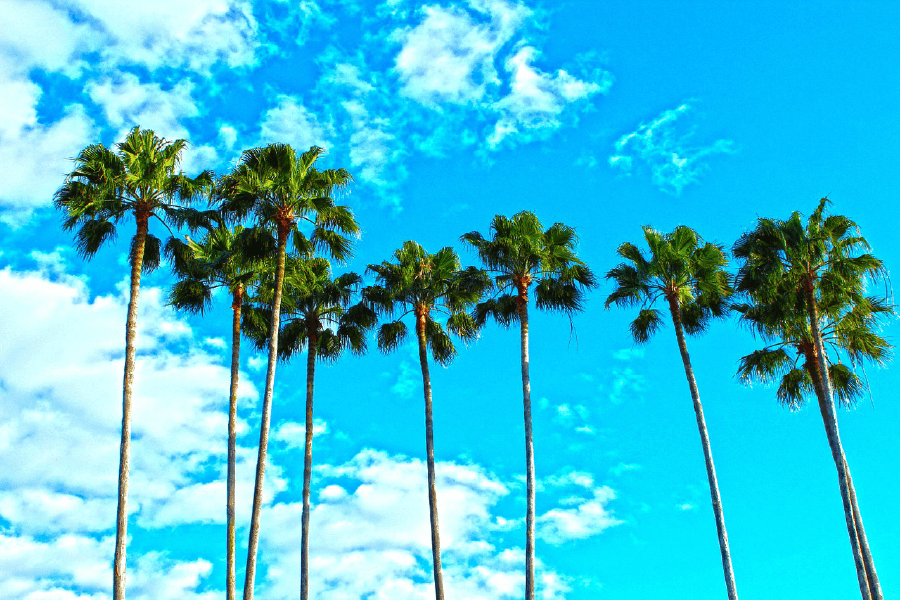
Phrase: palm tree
x=815 y=271
x=220 y=260
x=279 y=190
x=422 y=284
x=690 y=275
x=140 y=178
x=317 y=312
x=521 y=253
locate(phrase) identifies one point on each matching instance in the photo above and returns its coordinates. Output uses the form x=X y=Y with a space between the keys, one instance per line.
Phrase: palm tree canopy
x=313 y=303
x=520 y=252
x=140 y=177
x=423 y=284
x=781 y=260
x=825 y=251
x=280 y=190
x=681 y=268
x=221 y=259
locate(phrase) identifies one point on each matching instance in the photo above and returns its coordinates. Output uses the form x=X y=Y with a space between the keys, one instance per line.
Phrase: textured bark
x=253 y=543
x=829 y=418
x=429 y=448
x=137 y=262
x=522 y=302
x=868 y=561
x=307 y=460
x=238 y=299
x=707 y=451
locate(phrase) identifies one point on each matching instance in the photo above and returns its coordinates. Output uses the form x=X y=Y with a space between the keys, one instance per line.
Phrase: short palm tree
x=518 y=254
x=140 y=178
x=815 y=270
x=317 y=313
x=220 y=261
x=690 y=276
x=279 y=190
x=421 y=284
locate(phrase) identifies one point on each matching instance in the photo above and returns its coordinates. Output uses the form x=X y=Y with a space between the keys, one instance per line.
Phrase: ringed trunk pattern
x=253 y=543
x=429 y=448
x=707 y=450
x=312 y=339
x=522 y=302
x=869 y=586
x=238 y=299
x=137 y=263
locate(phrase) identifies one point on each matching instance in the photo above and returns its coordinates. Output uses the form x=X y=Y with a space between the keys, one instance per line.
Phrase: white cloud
x=672 y=161
x=27 y=27
x=293 y=435
x=374 y=541
x=409 y=379
x=127 y=102
x=625 y=383
x=289 y=122
x=172 y=33
x=37 y=152
x=624 y=468
x=588 y=517
x=59 y=427
x=537 y=99
x=449 y=56
x=628 y=353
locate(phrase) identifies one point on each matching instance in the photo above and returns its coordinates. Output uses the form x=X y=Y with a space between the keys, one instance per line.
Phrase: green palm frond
x=681 y=268
x=780 y=261
x=417 y=282
x=648 y=322
x=391 y=335
x=519 y=253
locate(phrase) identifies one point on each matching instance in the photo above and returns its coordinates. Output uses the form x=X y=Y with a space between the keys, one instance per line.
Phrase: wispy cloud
x=585 y=517
x=667 y=151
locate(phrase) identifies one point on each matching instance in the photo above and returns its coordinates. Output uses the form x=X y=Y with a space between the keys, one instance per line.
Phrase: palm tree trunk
x=707 y=452
x=253 y=543
x=307 y=462
x=829 y=418
x=529 y=455
x=871 y=575
x=137 y=263
x=238 y=300
x=429 y=448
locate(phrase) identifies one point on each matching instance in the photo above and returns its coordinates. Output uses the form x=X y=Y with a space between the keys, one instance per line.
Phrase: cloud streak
x=667 y=153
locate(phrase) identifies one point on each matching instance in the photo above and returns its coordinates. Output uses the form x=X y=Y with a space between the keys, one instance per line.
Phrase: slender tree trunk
x=238 y=299
x=707 y=452
x=137 y=263
x=869 y=590
x=253 y=543
x=529 y=452
x=307 y=461
x=429 y=446
x=871 y=575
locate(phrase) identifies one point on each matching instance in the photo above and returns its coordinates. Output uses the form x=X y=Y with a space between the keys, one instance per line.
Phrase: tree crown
x=520 y=253
x=682 y=269
x=422 y=284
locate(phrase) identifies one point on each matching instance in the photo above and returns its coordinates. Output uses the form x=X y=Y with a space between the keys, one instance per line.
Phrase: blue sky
x=604 y=116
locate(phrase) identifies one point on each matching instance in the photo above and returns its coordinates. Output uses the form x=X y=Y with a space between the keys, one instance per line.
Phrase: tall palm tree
x=220 y=260
x=816 y=267
x=318 y=313
x=279 y=190
x=141 y=178
x=422 y=284
x=690 y=276
x=518 y=254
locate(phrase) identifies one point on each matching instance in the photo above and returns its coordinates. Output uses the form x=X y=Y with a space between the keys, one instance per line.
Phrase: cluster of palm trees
x=272 y=226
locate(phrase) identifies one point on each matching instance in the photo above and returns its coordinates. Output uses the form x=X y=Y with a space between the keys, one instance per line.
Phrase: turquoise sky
x=604 y=116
